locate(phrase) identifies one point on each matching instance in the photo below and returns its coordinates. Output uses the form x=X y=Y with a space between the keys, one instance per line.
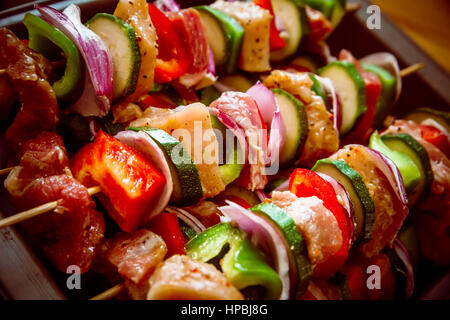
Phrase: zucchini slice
x=187 y=187
x=356 y=189
x=409 y=171
x=351 y=90
x=293 y=17
x=409 y=146
x=224 y=35
x=287 y=228
x=122 y=44
x=293 y=115
x=421 y=114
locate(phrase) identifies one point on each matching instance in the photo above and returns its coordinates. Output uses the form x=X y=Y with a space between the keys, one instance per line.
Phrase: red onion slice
x=344 y=200
x=234 y=127
x=277 y=137
x=167 y=5
x=188 y=218
x=143 y=143
x=98 y=91
x=333 y=99
x=403 y=254
x=211 y=63
x=390 y=170
x=261 y=195
x=388 y=62
x=264 y=236
x=265 y=100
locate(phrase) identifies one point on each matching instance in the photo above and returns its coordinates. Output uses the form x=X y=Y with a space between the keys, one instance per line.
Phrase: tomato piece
x=172 y=61
x=167 y=226
x=435 y=137
x=129 y=183
x=275 y=40
x=306 y=183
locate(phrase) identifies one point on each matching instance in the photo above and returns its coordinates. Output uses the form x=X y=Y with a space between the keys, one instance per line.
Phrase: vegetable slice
x=356 y=189
x=300 y=269
x=293 y=116
x=122 y=44
x=187 y=187
x=351 y=90
x=406 y=144
x=41 y=36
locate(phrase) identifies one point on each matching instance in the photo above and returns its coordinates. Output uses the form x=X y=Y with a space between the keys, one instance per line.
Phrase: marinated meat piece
x=69 y=235
x=255 y=52
x=136 y=255
x=191 y=125
x=182 y=278
x=136 y=14
x=26 y=70
x=388 y=218
x=188 y=24
x=243 y=109
x=315 y=222
x=323 y=138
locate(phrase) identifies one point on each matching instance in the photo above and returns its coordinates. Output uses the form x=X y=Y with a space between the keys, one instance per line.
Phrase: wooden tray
x=23 y=276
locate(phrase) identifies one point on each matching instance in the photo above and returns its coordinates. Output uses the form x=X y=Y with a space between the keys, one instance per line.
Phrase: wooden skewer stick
x=110 y=293
x=5 y=171
x=411 y=69
x=28 y=214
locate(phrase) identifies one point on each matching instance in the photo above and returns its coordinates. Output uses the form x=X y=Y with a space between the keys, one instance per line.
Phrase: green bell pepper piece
x=46 y=39
x=242 y=263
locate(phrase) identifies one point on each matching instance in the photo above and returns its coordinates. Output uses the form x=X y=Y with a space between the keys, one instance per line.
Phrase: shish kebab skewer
x=28 y=214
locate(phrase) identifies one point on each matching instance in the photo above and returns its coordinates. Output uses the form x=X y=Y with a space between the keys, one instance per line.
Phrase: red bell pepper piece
x=363 y=129
x=167 y=226
x=172 y=59
x=157 y=100
x=129 y=183
x=275 y=41
x=188 y=94
x=306 y=183
x=435 y=137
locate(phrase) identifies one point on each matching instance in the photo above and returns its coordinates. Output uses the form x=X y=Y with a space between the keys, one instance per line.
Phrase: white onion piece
x=188 y=218
x=345 y=202
x=333 y=99
x=265 y=100
x=167 y=5
x=403 y=255
x=98 y=90
x=143 y=143
x=388 y=62
x=277 y=138
x=264 y=236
